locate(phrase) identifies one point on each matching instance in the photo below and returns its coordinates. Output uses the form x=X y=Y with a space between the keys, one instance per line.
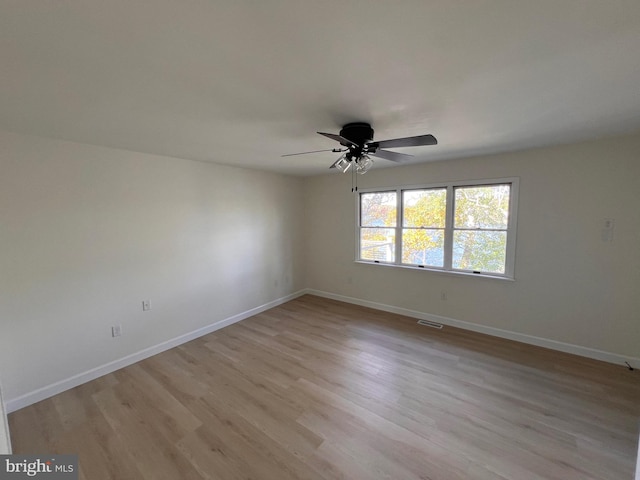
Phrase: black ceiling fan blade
x=407 y=142
x=338 y=138
x=334 y=150
x=393 y=156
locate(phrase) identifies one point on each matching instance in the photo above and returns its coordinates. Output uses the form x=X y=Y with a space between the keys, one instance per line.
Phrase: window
x=480 y=221
x=423 y=226
x=465 y=227
x=378 y=219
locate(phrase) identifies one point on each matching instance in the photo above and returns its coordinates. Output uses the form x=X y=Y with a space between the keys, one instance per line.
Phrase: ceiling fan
x=358 y=147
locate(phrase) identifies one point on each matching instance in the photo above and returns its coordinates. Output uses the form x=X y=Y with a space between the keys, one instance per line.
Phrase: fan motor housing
x=358 y=132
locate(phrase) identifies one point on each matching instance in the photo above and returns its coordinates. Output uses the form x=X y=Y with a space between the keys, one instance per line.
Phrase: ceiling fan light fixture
x=356 y=139
x=343 y=164
x=364 y=164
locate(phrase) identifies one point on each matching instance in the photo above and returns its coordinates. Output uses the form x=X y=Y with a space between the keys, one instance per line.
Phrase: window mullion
x=448 y=230
x=399 y=224
x=358 y=226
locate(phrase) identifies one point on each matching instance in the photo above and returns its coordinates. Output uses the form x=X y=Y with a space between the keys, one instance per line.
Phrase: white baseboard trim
x=496 y=332
x=52 y=389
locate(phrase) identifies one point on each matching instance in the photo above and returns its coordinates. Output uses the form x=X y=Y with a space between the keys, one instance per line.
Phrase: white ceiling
x=242 y=82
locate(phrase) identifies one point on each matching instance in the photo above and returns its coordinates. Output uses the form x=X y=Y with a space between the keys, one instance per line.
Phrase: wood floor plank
x=322 y=390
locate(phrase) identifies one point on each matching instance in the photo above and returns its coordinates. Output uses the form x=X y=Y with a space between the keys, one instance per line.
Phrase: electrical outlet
x=146 y=305
x=116 y=331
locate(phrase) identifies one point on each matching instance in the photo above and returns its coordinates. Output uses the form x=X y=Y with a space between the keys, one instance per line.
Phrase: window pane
x=378 y=209
x=482 y=207
x=424 y=208
x=378 y=244
x=483 y=251
x=423 y=247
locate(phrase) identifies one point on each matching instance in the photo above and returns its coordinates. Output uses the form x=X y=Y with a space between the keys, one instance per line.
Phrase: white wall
x=87 y=233
x=570 y=286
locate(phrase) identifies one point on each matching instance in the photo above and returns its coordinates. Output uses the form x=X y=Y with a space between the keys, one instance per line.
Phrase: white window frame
x=509 y=272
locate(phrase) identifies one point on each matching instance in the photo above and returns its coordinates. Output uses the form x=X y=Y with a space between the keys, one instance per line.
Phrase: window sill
x=437 y=270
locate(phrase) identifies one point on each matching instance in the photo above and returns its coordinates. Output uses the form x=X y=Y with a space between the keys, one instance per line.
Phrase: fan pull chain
x=352 y=190
x=354 y=178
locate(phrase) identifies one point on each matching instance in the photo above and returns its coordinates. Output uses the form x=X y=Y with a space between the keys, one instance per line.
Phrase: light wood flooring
x=318 y=389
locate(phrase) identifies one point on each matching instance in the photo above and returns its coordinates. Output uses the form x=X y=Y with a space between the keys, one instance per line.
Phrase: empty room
x=320 y=240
